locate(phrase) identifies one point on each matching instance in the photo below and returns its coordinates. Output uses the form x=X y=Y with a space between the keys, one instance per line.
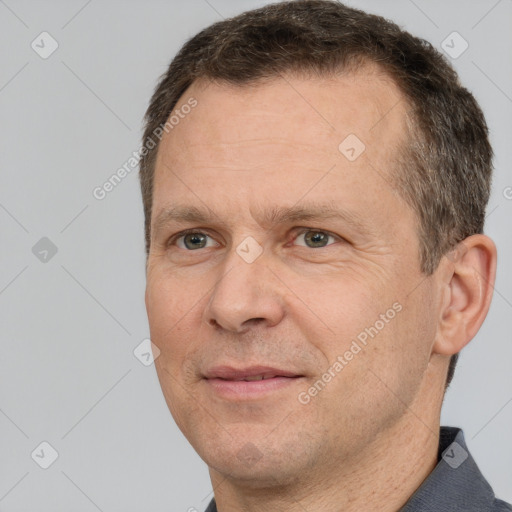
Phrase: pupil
x=316 y=238
x=194 y=238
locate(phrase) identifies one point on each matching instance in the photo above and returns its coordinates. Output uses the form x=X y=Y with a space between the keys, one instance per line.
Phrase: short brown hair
x=445 y=166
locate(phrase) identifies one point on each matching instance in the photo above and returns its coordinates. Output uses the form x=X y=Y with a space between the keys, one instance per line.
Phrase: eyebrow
x=274 y=216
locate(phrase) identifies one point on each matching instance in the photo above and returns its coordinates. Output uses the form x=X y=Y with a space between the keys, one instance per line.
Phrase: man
x=314 y=207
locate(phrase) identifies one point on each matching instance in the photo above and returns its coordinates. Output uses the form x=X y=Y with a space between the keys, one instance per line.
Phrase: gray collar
x=456 y=483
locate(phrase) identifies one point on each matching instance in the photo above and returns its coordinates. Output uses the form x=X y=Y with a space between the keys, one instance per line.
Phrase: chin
x=255 y=465
x=256 y=476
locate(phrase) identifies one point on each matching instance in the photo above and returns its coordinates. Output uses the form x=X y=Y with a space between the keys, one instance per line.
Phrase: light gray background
x=69 y=325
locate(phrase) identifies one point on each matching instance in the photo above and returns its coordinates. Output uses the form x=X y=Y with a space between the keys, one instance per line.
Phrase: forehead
x=291 y=130
x=366 y=101
x=317 y=113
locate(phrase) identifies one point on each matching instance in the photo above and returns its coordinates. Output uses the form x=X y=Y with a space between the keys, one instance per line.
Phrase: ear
x=467 y=280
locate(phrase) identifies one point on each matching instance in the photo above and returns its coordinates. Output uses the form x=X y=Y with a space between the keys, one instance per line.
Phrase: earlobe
x=468 y=284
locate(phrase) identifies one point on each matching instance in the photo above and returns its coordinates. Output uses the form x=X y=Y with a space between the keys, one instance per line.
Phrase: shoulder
x=501 y=506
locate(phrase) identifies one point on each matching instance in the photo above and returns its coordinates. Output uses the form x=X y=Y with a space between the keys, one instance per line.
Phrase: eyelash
x=181 y=234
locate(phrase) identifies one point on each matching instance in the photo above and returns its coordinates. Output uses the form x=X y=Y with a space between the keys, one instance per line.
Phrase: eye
x=191 y=240
x=315 y=238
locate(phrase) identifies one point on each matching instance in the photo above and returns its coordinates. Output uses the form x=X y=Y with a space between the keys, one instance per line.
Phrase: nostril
x=251 y=321
x=254 y=320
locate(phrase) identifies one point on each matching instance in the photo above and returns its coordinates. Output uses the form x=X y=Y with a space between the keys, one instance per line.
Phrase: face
x=300 y=263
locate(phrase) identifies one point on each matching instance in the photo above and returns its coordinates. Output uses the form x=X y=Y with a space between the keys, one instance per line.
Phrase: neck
x=380 y=478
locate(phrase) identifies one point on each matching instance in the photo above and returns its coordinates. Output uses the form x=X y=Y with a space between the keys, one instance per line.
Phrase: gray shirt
x=455 y=485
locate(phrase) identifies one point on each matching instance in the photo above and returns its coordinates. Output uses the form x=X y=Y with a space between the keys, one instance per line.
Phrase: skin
x=369 y=438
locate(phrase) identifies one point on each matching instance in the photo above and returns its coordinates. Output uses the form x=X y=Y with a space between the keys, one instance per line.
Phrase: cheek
x=337 y=308
x=381 y=333
x=169 y=301
x=383 y=376
x=399 y=355
x=169 y=310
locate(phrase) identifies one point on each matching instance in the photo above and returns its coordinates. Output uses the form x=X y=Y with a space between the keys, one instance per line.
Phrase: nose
x=245 y=294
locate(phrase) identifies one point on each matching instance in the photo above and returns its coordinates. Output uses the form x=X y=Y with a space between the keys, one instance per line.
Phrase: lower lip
x=242 y=389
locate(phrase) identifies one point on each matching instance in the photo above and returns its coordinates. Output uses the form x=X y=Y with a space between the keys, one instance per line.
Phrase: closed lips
x=257 y=377
x=248 y=374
